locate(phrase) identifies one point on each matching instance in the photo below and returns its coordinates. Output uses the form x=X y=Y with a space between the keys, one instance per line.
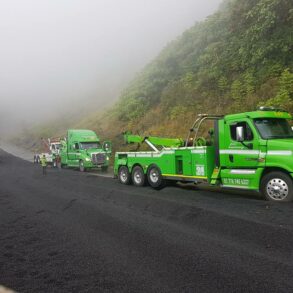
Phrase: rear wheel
x=124 y=175
x=277 y=186
x=155 y=177
x=81 y=166
x=138 y=177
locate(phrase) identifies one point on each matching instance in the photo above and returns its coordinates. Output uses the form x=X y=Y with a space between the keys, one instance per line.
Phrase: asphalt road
x=75 y=232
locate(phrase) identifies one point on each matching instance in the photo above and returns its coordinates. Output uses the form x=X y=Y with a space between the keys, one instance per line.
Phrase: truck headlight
x=88 y=159
x=107 y=158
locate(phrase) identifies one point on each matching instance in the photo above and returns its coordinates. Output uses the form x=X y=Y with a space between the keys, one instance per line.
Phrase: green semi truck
x=82 y=149
x=250 y=151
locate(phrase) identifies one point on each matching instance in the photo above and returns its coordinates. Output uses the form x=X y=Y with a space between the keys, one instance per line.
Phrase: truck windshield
x=273 y=128
x=90 y=145
x=56 y=146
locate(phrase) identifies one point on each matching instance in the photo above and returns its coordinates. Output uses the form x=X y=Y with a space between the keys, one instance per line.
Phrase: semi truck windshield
x=273 y=128
x=90 y=145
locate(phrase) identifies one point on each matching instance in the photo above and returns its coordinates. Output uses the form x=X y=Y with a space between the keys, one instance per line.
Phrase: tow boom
x=153 y=141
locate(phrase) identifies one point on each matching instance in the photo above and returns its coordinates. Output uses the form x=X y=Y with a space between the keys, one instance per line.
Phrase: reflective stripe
x=242 y=171
x=126 y=153
x=145 y=154
x=185 y=148
x=252 y=152
x=280 y=153
x=202 y=151
x=142 y=155
x=239 y=152
x=155 y=155
x=236 y=186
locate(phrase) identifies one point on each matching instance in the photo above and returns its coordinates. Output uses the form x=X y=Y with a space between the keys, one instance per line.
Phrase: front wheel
x=81 y=166
x=155 y=177
x=277 y=186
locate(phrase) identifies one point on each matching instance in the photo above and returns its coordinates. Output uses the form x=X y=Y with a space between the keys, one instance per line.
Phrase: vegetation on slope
x=238 y=58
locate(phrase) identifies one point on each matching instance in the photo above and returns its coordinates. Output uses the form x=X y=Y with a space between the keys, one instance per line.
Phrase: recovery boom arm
x=153 y=141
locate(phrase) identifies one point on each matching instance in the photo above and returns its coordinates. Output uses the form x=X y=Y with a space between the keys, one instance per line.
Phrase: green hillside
x=238 y=58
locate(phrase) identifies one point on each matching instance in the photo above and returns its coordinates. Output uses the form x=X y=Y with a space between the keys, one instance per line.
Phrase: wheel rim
x=137 y=177
x=154 y=175
x=277 y=189
x=123 y=175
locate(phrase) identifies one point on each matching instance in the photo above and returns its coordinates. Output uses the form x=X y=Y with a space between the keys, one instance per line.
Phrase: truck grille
x=98 y=159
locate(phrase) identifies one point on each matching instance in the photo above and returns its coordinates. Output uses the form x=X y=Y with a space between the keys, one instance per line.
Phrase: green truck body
x=82 y=149
x=251 y=150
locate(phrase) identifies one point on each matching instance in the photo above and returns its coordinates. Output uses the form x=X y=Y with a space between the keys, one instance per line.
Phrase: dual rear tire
x=155 y=177
x=138 y=178
x=275 y=186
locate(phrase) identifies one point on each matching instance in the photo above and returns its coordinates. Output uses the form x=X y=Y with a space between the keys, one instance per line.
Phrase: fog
x=59 y=56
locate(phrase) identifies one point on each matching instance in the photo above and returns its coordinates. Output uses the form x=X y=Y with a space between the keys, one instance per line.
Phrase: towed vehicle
x=82 y=149
x=51 y=148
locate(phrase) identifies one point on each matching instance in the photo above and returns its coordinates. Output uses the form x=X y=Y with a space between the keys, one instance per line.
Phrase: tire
x=81 y=166
x=124 y=175
x=277 y=186
x=155 y=177
x=138 y=176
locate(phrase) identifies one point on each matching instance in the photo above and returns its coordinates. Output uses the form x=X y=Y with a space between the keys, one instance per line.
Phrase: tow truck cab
x=252 y=147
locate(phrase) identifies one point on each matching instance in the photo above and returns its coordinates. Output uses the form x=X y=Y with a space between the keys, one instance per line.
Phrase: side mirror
x=240 y=133
x=107 y=146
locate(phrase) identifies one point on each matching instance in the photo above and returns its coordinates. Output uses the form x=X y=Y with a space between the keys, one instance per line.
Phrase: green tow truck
x=250 y=151
x=82 y=149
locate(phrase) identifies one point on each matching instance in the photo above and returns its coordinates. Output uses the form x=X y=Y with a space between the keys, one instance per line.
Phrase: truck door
x=236 y=154
x=72 y=152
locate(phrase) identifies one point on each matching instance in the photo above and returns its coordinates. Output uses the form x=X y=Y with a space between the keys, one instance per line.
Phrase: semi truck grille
x=98 y=159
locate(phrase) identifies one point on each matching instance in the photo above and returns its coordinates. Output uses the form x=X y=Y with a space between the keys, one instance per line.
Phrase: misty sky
x=56 y=51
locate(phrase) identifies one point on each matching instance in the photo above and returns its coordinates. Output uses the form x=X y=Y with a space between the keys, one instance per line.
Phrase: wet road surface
x=77 y=232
